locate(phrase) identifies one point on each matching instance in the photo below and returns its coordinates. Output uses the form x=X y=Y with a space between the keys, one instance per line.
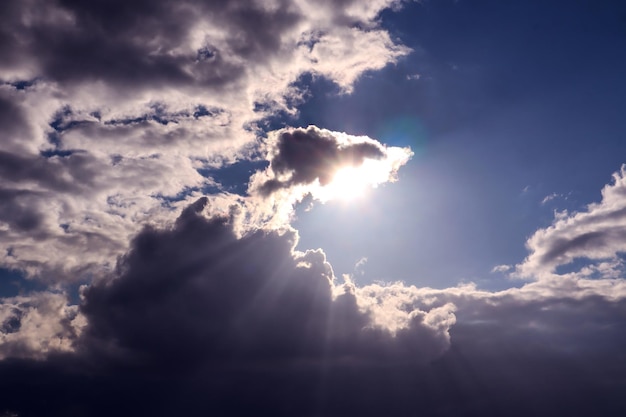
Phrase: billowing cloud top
x=214 y=322
x=310 y=162
x=112 y=112
x=301 y=156
x=198 y=289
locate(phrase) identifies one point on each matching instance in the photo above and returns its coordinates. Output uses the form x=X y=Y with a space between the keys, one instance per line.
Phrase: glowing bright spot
x=347 y=184
x=352 y=182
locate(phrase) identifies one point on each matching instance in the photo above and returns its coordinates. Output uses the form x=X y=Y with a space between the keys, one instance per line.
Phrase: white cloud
x=37 y=325
x=501 y=268
x=149 y=98
x=597 y=234
x=549 y=198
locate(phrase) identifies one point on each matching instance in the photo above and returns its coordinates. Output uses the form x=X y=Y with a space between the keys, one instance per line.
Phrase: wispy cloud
x=596 y=234
x=549 y=198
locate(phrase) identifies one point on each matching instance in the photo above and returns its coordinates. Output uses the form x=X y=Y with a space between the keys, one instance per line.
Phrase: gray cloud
x=302 y=156
x=198 y=293
x=16 y=211
x=198 y=305
x=110 y=109
x=35 y=325
x=67 y=173
x=596 y=234
x=131 y=46
x=11 y=118
x=198 y=320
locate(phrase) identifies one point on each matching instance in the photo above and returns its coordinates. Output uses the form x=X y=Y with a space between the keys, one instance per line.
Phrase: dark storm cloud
x=134 y=44
x=302 y=156
x=198 y=293
x=199 y=321
x=213 y=335
x=554 y=356
x=240 y=322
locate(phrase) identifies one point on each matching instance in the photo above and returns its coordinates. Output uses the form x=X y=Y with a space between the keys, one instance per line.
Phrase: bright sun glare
x=352 y=182
x=348 y=184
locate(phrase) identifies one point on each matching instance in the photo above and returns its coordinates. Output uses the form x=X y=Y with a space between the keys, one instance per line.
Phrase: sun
x=348 y=184
x=353 y=182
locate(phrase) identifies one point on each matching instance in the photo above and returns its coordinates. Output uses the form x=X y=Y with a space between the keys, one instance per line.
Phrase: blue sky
x=515 y=101
x=312 y=208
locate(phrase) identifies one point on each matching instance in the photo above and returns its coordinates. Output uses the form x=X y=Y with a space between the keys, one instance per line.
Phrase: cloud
x=213 y=322
x=111 y=115
x=359 y=266
x=197 y=301
x=216 y=322
x=35 y=325
x=198 y=292
x=307 y=162
x=305 y=156
x=111 y=112
x=596 y=234
x=501 y=268
x=549 y=198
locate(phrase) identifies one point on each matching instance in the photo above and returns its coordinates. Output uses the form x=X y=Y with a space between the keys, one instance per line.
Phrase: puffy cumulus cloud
x=305 y=156
x=198 y=292
x=110 y=111
x=517 y=352
x=194 y=304
x=321 y=163
x=596 y=235
x=71 y=212
x=37 y=325
x=198 y=320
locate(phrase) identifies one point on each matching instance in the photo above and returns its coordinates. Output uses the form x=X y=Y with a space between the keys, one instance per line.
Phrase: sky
x=312 y=208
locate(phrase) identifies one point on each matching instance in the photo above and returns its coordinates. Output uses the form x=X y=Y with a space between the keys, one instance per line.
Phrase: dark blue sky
x=515 y=101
